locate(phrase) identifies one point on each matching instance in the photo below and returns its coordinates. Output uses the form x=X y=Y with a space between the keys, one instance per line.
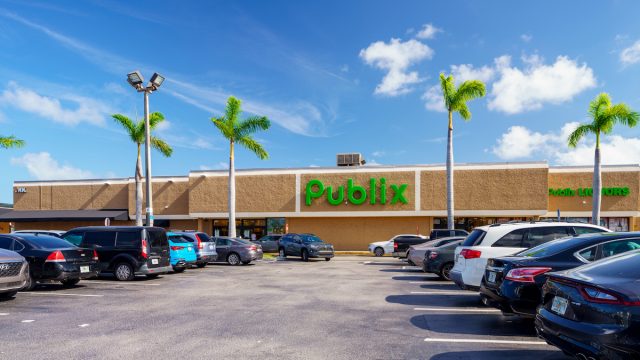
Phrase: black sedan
x=593 y=311
x=440 y=260
x=52 y=259
x=514 y=284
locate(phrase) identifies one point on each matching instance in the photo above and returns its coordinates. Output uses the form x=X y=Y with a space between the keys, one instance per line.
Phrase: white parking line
x=27 y=321
x=486 y=341
x=119 y=283
x=83 y=325
x=59 y=294
x=4 y=314
x=411 y=268
x=458 y=309
x=462 y=292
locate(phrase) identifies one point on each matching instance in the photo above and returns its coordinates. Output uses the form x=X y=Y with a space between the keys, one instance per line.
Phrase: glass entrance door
x=250 y=229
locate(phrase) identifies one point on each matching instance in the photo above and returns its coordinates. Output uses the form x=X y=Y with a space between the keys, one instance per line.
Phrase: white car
x=385 y=247
x=492 y=241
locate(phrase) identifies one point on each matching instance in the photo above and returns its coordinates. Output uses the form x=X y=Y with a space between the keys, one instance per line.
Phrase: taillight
x=200 y=246
x=596 y=295
x=95 y=255
x=253 y=248
x=395 y=245
x=433 y=255
x=470 y=254
x=527 y=274
x=56 y=256
x=176 y=248
x=145 y=252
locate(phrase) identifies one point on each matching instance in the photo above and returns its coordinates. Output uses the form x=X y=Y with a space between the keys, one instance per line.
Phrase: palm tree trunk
x=138 y=178
x=232 y=193
x=597 y=184
x=450 y=219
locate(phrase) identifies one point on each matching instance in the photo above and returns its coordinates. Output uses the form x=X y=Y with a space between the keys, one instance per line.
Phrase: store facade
x=347 y=206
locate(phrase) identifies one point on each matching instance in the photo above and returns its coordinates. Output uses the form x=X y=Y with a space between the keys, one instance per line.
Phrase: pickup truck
x=402 y=243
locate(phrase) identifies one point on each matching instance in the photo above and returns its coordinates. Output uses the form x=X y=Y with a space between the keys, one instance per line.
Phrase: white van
x=492 y=241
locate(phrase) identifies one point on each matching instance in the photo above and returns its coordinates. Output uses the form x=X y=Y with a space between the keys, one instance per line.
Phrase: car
x=237 y=251
x=205 y=246
x=439 y=260
x=126 y=251
x=181 y=251
x=514 y=284
x=593 y=311
x=380 y=248
x=492 y=241
x=441 y=233
x=402 y=243
x=56 y=233
x=52 y=259
x=306 y=246
x=14 y=273
x=269 y=243
x=415 y=254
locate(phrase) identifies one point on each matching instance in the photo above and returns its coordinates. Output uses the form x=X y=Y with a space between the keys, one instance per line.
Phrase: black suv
x=304 y=245
x=441 y=233
x=126 y=251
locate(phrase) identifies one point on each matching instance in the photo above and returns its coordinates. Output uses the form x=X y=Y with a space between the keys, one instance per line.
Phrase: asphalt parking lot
x=348 y=308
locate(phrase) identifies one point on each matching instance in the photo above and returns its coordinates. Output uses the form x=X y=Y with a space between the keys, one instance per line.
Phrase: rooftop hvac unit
x=351 y=159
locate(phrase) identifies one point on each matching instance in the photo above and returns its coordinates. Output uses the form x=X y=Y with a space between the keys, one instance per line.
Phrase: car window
x=589 y=254
x=6 y=243
x=128 y=239
x=311 y=239
x=177 y=239
x=203 y=237
x=475 y=238
x=157 y=238
x=512 y=239
x=73 y=237
x=619 y=246
x=100 y=238
x=48 y=242
x=549 y=248
x=18 y=246
x=222 y=242
x=541 y=235
x=586 y=230
x=461 y=233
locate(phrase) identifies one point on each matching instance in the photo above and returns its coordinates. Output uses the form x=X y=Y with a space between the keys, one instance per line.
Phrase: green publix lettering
x=356 y=194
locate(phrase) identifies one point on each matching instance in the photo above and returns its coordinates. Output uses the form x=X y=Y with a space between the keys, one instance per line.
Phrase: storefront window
x=471 y=223
x=276 y=225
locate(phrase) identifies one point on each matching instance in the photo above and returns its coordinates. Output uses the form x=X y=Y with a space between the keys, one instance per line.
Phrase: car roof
x=508 y=227
x=115 y=228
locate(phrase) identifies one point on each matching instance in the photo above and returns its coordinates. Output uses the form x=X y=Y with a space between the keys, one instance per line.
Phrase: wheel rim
x=233 y=259
x=123 y=272
x=305 y=256
x=379 y=252
x=281 y=253
x=446 y=271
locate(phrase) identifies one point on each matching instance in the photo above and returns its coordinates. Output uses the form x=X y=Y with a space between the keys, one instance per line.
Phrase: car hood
x=7 y=255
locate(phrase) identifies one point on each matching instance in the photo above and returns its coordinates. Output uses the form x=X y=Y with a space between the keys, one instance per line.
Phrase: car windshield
x=550 y=248
x=177 y=239
x=204 y=237
x=311 y=239
x=48 y=242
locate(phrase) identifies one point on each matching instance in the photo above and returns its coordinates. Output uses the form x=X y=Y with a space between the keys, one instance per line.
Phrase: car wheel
x=178 y=270
x=327 y=259
x=8 y=295
x=70 y=282
x=201 y=265
x=124 y=272
x=233 y=259
x=31 y=283
x=281 y=253
x=304 y=255
x=445 y=271
x=378 y=252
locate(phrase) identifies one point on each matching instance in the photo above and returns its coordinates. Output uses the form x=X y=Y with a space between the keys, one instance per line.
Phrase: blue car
x=182 y=252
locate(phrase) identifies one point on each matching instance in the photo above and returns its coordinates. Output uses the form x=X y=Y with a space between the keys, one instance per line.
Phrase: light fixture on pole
x=136 y=80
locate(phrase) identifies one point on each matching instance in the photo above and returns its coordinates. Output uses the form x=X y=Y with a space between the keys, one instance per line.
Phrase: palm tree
x=455 y=100
x=604 y=116
x=10 y=142
x=136 y=132
x=239 y=131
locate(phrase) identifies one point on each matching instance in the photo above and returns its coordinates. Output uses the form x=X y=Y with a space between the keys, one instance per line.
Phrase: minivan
x=126 y=251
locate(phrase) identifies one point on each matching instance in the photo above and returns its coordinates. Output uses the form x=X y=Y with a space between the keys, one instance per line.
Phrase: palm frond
x=161 y=146
x=155 y=119
x=448 y=87
x=252 y=145
x=224 y=127
x=232 y=111
x=252 y=124
x=622 y=114
x=580 y=132
x=463 y=110
x=469 y=90
x=11 y=142
x=602 y=101
x=140 y=133
x=129 y=126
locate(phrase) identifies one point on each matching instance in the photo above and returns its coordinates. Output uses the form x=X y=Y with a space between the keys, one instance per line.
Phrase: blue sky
x=333 y=76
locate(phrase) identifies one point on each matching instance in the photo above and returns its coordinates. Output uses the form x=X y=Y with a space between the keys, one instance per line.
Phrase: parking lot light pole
x=136 y=80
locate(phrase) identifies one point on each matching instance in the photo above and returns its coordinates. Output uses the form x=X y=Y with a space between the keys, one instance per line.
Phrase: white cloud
x=428 y=31
x=86 y=109
x=378 y=153
x=396 y=57
x=44 y=167
x=464 y=72
x=631 y=55
x=526 y=37
x=518 y=90
x=219 y=166
x=433 y=99
x=520 y=142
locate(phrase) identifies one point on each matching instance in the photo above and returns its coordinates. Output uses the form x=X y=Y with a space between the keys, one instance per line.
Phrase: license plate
x=491 y=277
x=559 y=305
x=154 y=261
x=211 y=247
x=84 y=269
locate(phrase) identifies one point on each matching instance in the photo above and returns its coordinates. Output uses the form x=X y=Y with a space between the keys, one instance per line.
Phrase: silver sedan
x=14 y=272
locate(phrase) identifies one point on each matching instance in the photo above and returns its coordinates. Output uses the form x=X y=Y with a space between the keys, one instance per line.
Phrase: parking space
x=348 y=308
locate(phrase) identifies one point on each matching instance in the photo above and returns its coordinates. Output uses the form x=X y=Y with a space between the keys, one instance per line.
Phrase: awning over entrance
x=63 y=215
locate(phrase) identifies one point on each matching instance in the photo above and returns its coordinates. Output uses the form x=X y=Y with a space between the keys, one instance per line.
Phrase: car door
x=294 y=246
x=271 y=245
x=222 y=248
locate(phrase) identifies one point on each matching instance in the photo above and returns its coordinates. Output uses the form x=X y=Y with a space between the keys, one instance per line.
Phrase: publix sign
x=376 y=192
x=610 y=191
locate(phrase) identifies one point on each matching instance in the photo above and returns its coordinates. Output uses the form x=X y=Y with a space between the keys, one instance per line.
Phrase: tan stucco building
x=366 y=204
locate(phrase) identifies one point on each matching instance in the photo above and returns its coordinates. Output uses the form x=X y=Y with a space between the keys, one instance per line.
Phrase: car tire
x=234 y=259
x=201 y=265
x=31 y=284
x=378 y=252
x=304 y=255
x=8 y=295
x=178 y=270
x=246 y=262
x=70 y=282
x=124 y=272
x=327 y=259
x=445 y=271
x=282 y=253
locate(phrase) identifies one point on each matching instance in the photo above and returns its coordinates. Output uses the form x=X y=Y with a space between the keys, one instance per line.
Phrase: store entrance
x=250 y=229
